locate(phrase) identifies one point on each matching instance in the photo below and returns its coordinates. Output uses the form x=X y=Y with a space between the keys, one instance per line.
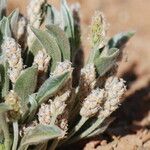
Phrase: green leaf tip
x=120 y=39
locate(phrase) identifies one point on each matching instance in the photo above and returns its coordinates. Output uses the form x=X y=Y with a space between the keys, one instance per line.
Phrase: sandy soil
x=130 y=130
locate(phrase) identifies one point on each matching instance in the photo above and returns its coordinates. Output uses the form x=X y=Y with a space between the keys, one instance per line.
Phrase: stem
x=77 y=127
x=42 y=146
x=54 y=144
x=56 y=141
x=5 y=128
x=15 y=141
x=92 y=128
x=102 y=128
x=88 y=131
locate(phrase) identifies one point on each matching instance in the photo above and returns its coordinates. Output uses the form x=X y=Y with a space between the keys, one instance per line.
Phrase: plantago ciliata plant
x=46 y=99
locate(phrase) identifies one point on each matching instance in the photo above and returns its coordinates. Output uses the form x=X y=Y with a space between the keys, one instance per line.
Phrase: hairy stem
x=101 y=128
x=77 y=127
x=88 y=131
x=54 y=144
x=56 y=141
x=15 y=141
x=5 y=128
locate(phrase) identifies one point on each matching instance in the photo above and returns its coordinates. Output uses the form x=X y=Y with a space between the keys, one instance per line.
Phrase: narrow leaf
x=51 y=86
x=3 y=4
x=61 y=40
x=5 y=128
x=4 y=79
x=52 y=16
x=119 y=40
x=40 y=134
x=13 y=18
x=67 y=18
x=5 y=27
x=68 y=23
x=49 y=44
x=33 y=106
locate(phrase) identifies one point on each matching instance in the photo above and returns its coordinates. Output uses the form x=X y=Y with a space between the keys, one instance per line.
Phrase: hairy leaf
x=35 y=47
x=68 y=23
x=51 y=86
x=3 y=4
x=33 y=106
x=49 y=44
x=106 y=61
x=4 y=79
x=40 y=134
x=13 y=18
x=61 y=40
x=26 y=84
x=52 y=16
x=68 y=18
x=94 y=54
x=5 y=27
x=119 y=40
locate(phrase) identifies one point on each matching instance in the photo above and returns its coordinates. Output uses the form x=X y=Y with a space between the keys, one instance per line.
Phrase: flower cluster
x=88 y=75
x=42 y=60
x=93 y=103
x=115 y=89
x=12 y=53
x=13 y=100
x=34 y=12
x=98 y=30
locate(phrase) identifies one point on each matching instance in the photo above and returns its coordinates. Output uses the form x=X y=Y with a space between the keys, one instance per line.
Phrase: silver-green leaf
x=40 y=134
x=61 y=40
x=35 y=47
x=52 y=16
x=5 y=27
x=4 y=79
x=51 y=86
x=26 y=84
x=119 y=40
x=3 y=4
x=49 y=44
x=106 y=61
x=67 y=20
x=13 y=18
